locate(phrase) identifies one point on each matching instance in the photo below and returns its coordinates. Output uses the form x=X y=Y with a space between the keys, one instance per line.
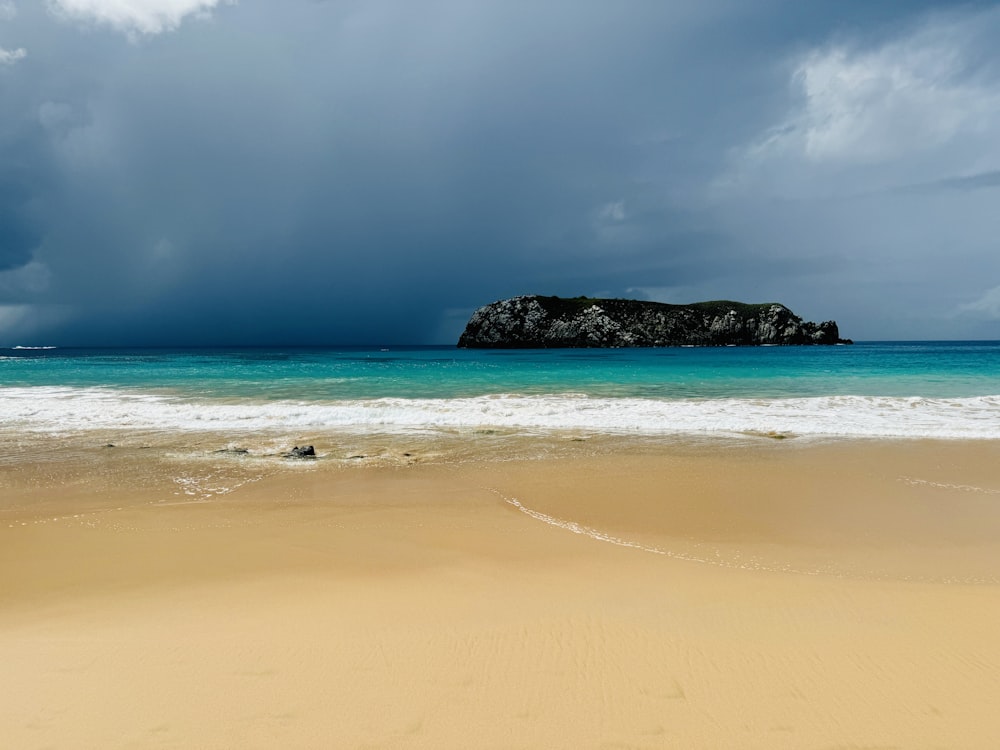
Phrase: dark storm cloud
x=344 y=171
x=18 y=235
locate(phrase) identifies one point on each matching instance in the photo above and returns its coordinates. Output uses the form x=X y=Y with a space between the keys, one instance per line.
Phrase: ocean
x=943 y=390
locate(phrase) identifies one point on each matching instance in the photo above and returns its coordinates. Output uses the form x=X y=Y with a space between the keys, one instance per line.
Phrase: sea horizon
x=452 y=345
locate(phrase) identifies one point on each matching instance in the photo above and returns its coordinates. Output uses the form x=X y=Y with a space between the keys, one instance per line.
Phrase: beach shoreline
x=753 y=593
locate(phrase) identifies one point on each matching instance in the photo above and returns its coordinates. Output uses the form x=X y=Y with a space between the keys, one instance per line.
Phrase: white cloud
x=11 y=56
x=913 y=94
x=135 y=17
x=8 y=11
x=884 y=105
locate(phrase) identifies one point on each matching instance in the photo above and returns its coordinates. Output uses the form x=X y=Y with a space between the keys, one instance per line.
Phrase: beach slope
x=753 y=595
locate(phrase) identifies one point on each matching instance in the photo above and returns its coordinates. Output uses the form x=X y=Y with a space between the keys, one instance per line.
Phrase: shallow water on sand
x=874 y=509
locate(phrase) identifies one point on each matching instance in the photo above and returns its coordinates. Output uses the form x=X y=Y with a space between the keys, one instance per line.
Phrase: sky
x=208 y=172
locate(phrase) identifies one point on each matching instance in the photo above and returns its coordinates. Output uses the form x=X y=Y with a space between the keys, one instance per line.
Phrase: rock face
x=533 y=322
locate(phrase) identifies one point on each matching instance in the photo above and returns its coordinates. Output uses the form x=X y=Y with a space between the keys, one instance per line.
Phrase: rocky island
x=536 y=322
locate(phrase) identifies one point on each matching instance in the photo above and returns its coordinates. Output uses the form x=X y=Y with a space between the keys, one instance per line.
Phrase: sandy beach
x=751 y=594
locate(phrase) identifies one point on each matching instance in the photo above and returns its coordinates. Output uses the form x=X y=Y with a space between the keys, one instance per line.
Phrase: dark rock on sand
x=306 y=451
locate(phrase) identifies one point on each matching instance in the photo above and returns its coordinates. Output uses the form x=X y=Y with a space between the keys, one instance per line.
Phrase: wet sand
x=754 y=594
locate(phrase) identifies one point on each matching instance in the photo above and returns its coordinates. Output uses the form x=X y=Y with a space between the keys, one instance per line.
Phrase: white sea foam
x=62 y=409
x=914 y=482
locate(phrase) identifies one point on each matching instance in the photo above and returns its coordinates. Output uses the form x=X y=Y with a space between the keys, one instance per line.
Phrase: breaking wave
x=61 y=409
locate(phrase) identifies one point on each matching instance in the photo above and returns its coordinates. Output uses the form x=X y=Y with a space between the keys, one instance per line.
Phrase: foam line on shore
x=737 y=561
x=914 y=482
x=600 y=536
x=50 y=409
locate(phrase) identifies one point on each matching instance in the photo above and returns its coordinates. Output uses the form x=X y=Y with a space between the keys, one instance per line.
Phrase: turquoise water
x=932 y=389
x=947 y=369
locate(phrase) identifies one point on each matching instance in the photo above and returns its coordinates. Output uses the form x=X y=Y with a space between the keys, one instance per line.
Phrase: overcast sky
x=370 y=171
